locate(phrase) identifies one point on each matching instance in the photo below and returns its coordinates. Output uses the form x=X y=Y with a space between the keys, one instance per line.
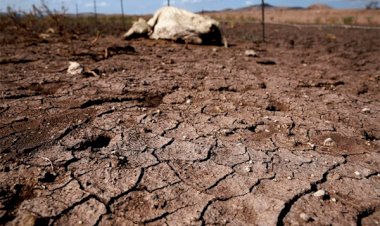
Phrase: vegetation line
x=320 y=25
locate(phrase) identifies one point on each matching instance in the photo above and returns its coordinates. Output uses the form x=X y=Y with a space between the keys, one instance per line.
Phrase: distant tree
x=372 y=5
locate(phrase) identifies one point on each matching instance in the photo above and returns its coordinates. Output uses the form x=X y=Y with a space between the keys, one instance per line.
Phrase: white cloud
x=248 y=2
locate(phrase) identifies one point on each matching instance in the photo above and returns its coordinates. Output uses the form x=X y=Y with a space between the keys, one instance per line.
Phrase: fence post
x=168 y=2
x=263 y=18
x=76 y=11
x=76 y=15
x=96 y=14
x=122 y=13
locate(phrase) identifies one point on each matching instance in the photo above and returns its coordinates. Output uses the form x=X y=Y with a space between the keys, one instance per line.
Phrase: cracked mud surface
x=197 y=135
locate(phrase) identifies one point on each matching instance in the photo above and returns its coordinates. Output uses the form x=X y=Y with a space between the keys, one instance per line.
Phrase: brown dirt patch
x=179 y=135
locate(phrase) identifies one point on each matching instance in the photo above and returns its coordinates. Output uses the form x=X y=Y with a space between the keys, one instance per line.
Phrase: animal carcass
x=179 y=25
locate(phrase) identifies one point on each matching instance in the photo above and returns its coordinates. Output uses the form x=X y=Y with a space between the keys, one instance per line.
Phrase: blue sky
x=149 y=6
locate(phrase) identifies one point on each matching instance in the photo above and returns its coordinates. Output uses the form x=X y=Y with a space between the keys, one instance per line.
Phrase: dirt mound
x=319 y=7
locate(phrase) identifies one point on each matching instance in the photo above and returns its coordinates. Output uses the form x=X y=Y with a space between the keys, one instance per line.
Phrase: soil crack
x=313 y=188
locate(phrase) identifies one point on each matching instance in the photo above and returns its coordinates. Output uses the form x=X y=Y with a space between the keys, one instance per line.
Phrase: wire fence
x=95 y=21
x=82 y=20
x=41 y=17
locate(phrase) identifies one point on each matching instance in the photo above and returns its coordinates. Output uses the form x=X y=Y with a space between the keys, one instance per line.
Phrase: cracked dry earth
x=196 y=135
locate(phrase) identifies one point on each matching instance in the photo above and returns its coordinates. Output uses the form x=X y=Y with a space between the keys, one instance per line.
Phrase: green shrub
x=318 y=20
x=332 y=20
x=349 y=20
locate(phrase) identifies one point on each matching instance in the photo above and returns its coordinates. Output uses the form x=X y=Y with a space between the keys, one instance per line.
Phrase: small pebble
x=357 y=173
x=366 y=110
x=188 y=101
x=75 y=68
x=311 y=145
x=305 y=217
x=289 y=178
x=319 y=193
x=250 y=53
x=122 y=157
x=335 y=176
x=248 y=169
x=226 y=132
x=328 y=142
x=333 y=199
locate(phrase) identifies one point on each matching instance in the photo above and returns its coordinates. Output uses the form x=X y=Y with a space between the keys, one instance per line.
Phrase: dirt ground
x=168 y=134
x=364 y=17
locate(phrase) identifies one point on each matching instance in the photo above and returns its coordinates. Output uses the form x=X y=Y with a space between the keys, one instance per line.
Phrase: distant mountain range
x=266 y=5
x=247 y=8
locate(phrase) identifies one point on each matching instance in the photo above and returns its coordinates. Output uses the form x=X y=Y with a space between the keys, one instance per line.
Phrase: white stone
x=74 y=68
x=366 y=110
x=319 y=193
x=250 y=53
x=248 y=169
x=305 y=217
x=311 y=145
x=328 y=142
